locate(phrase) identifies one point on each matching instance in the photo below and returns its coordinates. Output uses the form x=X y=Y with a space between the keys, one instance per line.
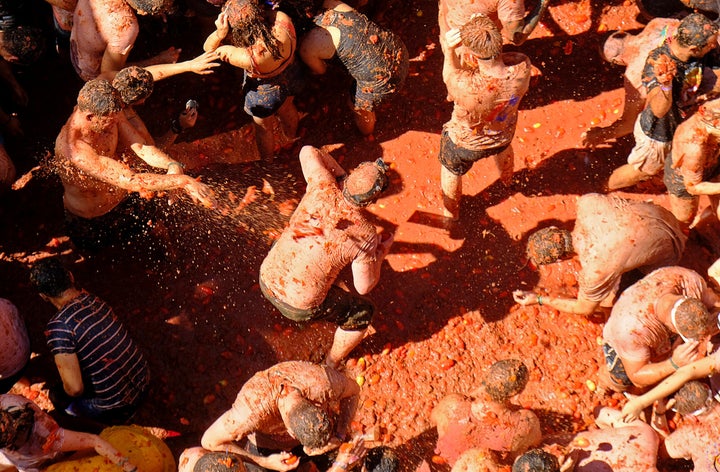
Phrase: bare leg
x=626 y=176
x=684 y=209
x=343 y=343
x=505 y=162
x=451 y=185
x=265 y=136
x=289 y=118
x=365 y=121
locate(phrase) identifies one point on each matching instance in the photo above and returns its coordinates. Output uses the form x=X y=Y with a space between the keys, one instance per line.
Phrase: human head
x=692 y=320
x=99 y=98
x=365 y=183
x=548 y=245
x=248 y=26
x=536 y=460
x=16 y=423
x=134 y=84
x=505 y=378
x=614 y=47
x=151 y=7
x=481 y=36
x=219 y=462
x=50 y=277
x=381 y=459
x=693 y=398
x=698 y=32
x=309 y=424
x=22 y=44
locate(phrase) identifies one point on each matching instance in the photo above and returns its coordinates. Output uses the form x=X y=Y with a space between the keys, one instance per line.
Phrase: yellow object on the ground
x=143 y=449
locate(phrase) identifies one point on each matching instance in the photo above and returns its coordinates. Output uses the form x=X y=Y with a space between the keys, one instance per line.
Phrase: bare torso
x=85 y=196
x=486 y=102
x=100 y=25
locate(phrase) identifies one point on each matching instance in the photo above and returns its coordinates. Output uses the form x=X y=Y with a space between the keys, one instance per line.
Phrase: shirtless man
x=328 y=232
x=616 y=446
x=486 y=86
x=693 y=168
x=508 y=15
x=376 y=58
x=104 y=33
x=658 y=325
x=672 y=76
x=487 y=420
x=699 y=438
x=291 y=405
x=97 y=180
x=611 y=236
x=630 y=50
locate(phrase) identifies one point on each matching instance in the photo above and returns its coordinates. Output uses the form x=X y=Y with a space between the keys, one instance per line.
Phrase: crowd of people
x=659 y=332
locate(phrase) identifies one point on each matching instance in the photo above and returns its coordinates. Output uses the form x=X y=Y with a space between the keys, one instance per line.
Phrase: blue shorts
x=263 y=97
x=616 y=367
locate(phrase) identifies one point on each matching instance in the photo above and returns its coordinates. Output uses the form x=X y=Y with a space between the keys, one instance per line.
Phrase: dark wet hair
x=152 y=7
x=100 y=98
x=365 y=183
x=27 y=43
x=505 y=378
x=536 y=460
x=310 y=424
x=219 y=462
x=381 y=459
x=691 y=397
x=482 y=37
x=548 y=245
x=695 y=30
x=16 y=423
x=50 y=277
x=692 y=319
x=134 y=84
x=248 y=24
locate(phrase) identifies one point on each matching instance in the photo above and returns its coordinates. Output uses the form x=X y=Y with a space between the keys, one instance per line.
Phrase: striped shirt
x=114 y=371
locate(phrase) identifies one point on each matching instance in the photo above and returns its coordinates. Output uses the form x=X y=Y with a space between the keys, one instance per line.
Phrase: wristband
x=666 y=88
x=539 y=300
x=673 y=364
x=340 y=465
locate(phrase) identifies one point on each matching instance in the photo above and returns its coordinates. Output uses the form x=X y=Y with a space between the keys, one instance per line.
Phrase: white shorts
x=648 y=155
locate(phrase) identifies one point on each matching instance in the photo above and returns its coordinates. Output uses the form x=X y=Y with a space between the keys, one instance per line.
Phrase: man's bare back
x=104 y=32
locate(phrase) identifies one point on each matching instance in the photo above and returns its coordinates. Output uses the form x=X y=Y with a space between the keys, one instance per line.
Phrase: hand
x=187 y=118
x=201 y=193
x=631 y=411
x=665 y=69
x=686 y=353
x=281 y=461
x=452 y=37
x=351 y=452
x=204 y=63
x=221 y=25
x=525 y=298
